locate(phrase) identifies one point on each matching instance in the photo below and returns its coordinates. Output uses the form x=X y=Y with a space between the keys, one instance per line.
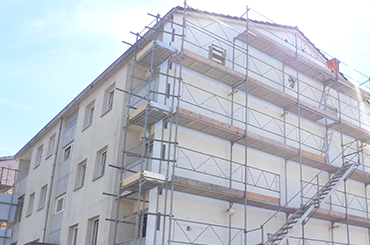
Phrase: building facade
x=210 y=129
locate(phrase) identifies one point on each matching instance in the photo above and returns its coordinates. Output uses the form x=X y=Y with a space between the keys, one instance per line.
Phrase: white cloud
x=8 y=150
x=16 y=105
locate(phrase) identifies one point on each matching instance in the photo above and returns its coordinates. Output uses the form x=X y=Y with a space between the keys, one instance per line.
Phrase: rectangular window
x=51 y=145
x=95 y=228
x=89 y=114
x=43 y=194
x=19 y=209
x=101 y=161
x=68 y=152
x=72 y=235
x=81 y=173
x=60 y=204
x=108 y=99
x=39 y=155
x=31 y=202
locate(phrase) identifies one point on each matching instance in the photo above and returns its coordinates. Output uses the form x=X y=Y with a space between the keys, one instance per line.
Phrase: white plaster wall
x=88 y=202
x=30 y=227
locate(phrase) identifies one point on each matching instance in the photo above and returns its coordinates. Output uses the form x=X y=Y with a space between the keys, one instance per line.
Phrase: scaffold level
x=269 y=94
x=162 y=53
x=231 y=133
x=156 y=112
x=150 y=180
x=205 y=189
x=4 y=188
x=263 y=42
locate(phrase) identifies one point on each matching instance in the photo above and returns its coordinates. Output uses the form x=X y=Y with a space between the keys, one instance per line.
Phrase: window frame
x=90 y=111
x=43 y=196
x=51 y=146
x=108 y=102
x=94 y=231
x=102 y=163
x=39 y=153
x=31 y=204
x=70 y=148
x=100 y=166
x=63 y=206
x=74 y=235
x=81 y=174
x=19 y=209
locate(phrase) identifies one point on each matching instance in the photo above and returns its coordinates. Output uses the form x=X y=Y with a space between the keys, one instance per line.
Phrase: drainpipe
x=50 y=186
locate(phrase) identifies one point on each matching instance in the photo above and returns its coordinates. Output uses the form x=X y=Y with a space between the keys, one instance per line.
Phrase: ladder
x=303 y=212
x=325 y=95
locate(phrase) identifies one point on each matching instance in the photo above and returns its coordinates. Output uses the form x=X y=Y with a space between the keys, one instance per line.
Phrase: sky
x=51 y=50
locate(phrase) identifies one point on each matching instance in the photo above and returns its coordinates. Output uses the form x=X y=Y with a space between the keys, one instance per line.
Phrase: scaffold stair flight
x=280 y=237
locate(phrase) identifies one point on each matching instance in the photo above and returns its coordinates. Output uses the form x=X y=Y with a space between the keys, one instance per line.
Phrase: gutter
x=50 y=186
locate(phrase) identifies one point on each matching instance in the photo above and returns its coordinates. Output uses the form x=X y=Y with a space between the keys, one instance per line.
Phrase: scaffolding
x=163 y=98
x=8 y=202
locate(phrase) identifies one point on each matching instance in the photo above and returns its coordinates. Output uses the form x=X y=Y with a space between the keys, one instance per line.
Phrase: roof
x=7 y=158
x=127 y=54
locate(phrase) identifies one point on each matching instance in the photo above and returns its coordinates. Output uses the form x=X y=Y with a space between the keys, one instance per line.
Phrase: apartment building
x=210 y=129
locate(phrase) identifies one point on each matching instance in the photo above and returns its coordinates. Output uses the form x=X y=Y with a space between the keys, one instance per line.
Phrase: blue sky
x=51 y=50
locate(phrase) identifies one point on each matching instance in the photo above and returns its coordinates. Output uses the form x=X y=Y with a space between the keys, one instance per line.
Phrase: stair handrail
x=286 y=204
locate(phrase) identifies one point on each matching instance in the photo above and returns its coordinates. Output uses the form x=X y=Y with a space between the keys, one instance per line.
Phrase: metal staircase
x=315 y=202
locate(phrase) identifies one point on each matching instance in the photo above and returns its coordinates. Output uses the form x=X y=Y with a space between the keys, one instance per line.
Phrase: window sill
x=106 y=112
x=59 y=212
x=41 y=208
x=28 y=215
x=49 y=156
x=86 y=127
x=37 y=166
x=98 y=177
x=77 y=188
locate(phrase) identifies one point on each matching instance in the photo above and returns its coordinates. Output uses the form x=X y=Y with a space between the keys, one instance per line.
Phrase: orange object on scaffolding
x=333 y=65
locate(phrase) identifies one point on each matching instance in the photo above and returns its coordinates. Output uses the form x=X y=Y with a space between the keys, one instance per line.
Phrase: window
x=101 y=161
x=89 y=114
x=19 y=209
x=60 y=204
x=31 y=202
x=81 y=172
x=95 y=228
x=68 y=152
x=72 y=235
x=39 y=155
x=51 y=145
x=108 y=98
x=43 y=194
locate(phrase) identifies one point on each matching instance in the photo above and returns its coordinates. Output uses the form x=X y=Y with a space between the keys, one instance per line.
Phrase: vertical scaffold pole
x=299 y=129
x=246 y=131
x=177 y=120
x=138 y=214
x=341 y=139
